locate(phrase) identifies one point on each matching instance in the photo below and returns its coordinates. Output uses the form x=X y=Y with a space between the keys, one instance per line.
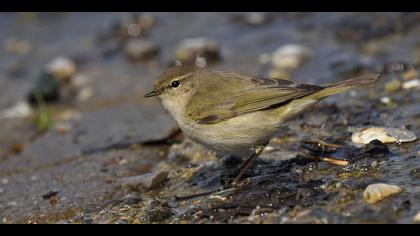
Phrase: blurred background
x=72 y=84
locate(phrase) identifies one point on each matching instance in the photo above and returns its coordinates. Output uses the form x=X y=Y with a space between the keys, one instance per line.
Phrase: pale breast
x=235 y=136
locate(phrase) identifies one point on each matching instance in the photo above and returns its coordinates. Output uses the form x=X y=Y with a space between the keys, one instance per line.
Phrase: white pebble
x=139 y=49
x=200 y=61
x=18 y=110
x=63 y=68
x=134 y=30
x=383 y=134
x=188 y=49
x=415 y=83
x=416 y=218
x=377 y=192
x=385 y=100
x=290 y=56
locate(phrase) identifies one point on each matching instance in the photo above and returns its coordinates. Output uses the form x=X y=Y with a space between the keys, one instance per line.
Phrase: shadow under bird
x=236 y=114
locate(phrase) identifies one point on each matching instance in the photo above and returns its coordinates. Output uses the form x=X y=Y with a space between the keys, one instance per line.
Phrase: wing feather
x=221 y=97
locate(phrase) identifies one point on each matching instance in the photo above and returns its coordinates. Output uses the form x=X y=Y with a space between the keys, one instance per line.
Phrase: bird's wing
x=222 y=96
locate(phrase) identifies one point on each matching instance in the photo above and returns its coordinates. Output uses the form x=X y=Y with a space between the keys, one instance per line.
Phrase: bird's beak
x=153 y=93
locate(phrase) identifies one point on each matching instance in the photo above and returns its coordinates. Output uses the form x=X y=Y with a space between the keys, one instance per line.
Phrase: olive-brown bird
x=236 y=114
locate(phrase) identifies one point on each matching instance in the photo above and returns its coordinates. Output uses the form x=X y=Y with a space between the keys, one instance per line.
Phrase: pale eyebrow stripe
x=183 y=76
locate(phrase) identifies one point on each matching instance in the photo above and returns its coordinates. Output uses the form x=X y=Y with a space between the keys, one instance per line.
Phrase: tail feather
x=360 y=81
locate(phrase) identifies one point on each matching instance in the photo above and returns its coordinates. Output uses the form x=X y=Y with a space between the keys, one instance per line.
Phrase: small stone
x=46 y=88
x=84 y=94
x=374 y=164
x=139 y=49
x=49 y=195
x=1 y=190
x=18 y=110
x=21 y=47
x=133 y=29
x=411 y=84
x=392 y=86
x=416 y=218
x=146 y=21
x=383 y=134
x=255 y=18
x=395 y=67
x=62 y=68
x=188 y=50
x=158 y=211
x=149 y=180
x=410 y=74
x=377 y=192
x=386 y=100
x=290 y=56
x=200 y=62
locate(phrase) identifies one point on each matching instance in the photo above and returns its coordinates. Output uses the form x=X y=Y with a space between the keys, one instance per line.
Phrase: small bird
x=235 y=114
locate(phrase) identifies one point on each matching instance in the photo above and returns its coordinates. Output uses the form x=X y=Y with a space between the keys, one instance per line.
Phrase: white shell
x=383 y=134
x=377 y=192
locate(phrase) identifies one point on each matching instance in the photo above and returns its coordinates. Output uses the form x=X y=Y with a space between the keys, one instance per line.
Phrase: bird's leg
x=257 y=151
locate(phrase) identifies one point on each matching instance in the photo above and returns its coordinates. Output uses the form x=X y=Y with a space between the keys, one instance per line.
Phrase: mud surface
x=105 y=131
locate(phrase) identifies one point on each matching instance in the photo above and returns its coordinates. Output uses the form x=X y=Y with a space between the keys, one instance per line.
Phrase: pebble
x=410 y=74
x=18 y=110
x=188 y=49
x=146 y=21
x=62 y=68
x=395 y=67
x=411 y=84
x=290 y=56
x=21 y=47
x=133 y=29
x=377 y=192
x=139 y=49
x=383 y=134
x=386 y=100
x=255 y=18
x=84 y=94
x=416 y=218
x=392 y=86
x=374 y=164
x=1 y=190
x=47 y=87
x=149 y=180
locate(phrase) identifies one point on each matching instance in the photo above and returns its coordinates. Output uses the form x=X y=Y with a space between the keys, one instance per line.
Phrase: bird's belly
x=236 y=136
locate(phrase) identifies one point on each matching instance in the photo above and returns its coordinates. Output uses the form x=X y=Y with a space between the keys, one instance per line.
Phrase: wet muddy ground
x=101 y=153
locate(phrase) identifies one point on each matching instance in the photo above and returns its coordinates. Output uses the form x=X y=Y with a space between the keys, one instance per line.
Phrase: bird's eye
x=175 y=84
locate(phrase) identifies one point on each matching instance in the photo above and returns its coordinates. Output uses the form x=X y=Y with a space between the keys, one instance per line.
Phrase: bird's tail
x=360 y=81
